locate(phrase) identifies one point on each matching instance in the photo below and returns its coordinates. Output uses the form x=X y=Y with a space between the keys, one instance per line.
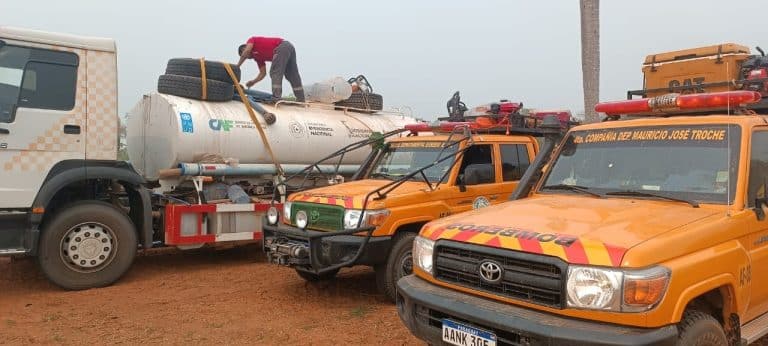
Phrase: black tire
x=700 y=329
x=399 y=263
x=312 y=277
x=191 y=68
x=191 y=87
x=118 y=231
x=367 y=101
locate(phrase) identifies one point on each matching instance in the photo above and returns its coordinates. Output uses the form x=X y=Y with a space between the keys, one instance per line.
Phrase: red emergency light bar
x=677 y=101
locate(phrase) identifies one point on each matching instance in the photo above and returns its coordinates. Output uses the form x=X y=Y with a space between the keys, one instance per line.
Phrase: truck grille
x=321 y=216
x=531 y=278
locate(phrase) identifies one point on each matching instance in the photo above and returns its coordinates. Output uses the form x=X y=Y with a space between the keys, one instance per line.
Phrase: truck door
x=515 y=159
x=754 y=275
x=40 y=117
x=476 y=184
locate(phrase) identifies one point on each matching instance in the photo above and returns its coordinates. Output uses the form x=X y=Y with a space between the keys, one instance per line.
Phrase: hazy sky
x=415 y=53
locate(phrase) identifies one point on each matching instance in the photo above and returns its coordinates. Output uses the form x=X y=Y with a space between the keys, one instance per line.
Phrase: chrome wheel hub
x=88 y=247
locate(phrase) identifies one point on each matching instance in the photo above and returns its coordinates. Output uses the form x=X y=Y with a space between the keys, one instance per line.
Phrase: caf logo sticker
x=480 y=202
x=297 y=130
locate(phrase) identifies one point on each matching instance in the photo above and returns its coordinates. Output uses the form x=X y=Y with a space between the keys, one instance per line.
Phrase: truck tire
x=399 y=264
x=89 y=244
x=366 y=101
x=191 y=87
x=312 y=277
x=191 y=67
x=700 y=329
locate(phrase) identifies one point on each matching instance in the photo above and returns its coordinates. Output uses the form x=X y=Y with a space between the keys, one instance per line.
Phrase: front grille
x=321 y=216
x=531 y=278
x=434 y=319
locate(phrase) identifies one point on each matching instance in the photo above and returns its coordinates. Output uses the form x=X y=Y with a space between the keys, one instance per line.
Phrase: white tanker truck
x=197 y=169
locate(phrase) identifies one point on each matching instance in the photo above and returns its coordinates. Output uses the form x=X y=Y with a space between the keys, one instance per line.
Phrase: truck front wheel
x=399 y=263
x=700 y=329
x=89 y=244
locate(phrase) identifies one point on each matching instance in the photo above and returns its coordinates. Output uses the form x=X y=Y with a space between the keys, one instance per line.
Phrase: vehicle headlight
x=593 y=288
x=301 y=219
x=609 y=289
x=352 y=218
x=423 y=249
x=287 y=212
x=272 y=215
x=370 y=218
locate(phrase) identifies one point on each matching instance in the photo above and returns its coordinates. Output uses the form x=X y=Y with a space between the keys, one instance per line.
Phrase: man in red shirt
x=282 y=54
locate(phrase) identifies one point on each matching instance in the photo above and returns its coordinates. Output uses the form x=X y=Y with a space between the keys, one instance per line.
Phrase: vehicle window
x=758 y=167
x=514 y=161
x=697 y=162
x=36 y=78
x=403 y=158
x=475 y=157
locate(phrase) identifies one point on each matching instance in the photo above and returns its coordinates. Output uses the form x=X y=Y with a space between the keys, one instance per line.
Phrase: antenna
x=728 y=135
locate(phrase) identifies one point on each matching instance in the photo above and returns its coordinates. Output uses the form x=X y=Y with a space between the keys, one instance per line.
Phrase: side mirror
x=7 y=112
x=759 y=203
x=477 y=174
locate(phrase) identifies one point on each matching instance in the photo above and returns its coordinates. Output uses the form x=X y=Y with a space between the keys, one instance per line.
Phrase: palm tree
x=590 y=56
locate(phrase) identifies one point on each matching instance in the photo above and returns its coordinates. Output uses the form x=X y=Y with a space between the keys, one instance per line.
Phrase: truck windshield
x=696 y=162
x=402 y=158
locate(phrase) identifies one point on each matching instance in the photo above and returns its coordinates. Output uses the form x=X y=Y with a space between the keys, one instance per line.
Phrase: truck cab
x=59 y=175
x=643 y=229
x=434 y=172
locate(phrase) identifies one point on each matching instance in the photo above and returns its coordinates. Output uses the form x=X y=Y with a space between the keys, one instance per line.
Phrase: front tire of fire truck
x=399 y=264
x=87 y=245
x=312 y=277
x=700 y=329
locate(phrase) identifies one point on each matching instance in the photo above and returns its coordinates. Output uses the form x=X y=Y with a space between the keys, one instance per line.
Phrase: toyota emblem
x=491 y=272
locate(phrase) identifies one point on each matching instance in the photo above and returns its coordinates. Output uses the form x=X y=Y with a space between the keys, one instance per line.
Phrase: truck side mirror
x=7 y=112
x=759 y=203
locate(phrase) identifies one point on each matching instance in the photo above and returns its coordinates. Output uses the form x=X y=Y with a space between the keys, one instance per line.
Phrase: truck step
x=755 y=329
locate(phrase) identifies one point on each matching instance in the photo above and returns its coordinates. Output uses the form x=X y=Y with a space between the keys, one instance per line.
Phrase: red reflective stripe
x=495 y=242
x=576 y=253
x=530 y=245
x=348 y=203
x=436 y=233
x=465 y=235
x=331 y=200
x=615 y=254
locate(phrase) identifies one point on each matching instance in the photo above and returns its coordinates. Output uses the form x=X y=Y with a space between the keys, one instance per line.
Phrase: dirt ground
x=203 y=297
x=228 y=297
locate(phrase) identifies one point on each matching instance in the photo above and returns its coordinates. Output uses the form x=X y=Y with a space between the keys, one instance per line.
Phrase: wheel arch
x=71 y=173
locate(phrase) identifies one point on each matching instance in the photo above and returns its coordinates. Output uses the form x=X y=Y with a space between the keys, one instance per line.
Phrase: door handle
x=4 y=132
x=72 y=129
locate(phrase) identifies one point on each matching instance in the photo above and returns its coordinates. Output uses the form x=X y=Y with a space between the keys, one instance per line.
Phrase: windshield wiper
x=577 y=188
x=636 y=193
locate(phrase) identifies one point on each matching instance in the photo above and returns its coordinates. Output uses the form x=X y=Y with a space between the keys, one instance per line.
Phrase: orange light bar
x=624 y=107
x=677 y=101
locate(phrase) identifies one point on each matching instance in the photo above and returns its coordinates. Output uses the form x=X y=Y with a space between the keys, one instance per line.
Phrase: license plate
x=462 y=335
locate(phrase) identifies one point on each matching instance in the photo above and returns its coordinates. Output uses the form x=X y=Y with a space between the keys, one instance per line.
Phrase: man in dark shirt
x=282 y=54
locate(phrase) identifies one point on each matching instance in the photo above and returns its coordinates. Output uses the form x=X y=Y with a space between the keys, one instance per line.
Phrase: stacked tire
x=183 y=77
x=364 y=101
